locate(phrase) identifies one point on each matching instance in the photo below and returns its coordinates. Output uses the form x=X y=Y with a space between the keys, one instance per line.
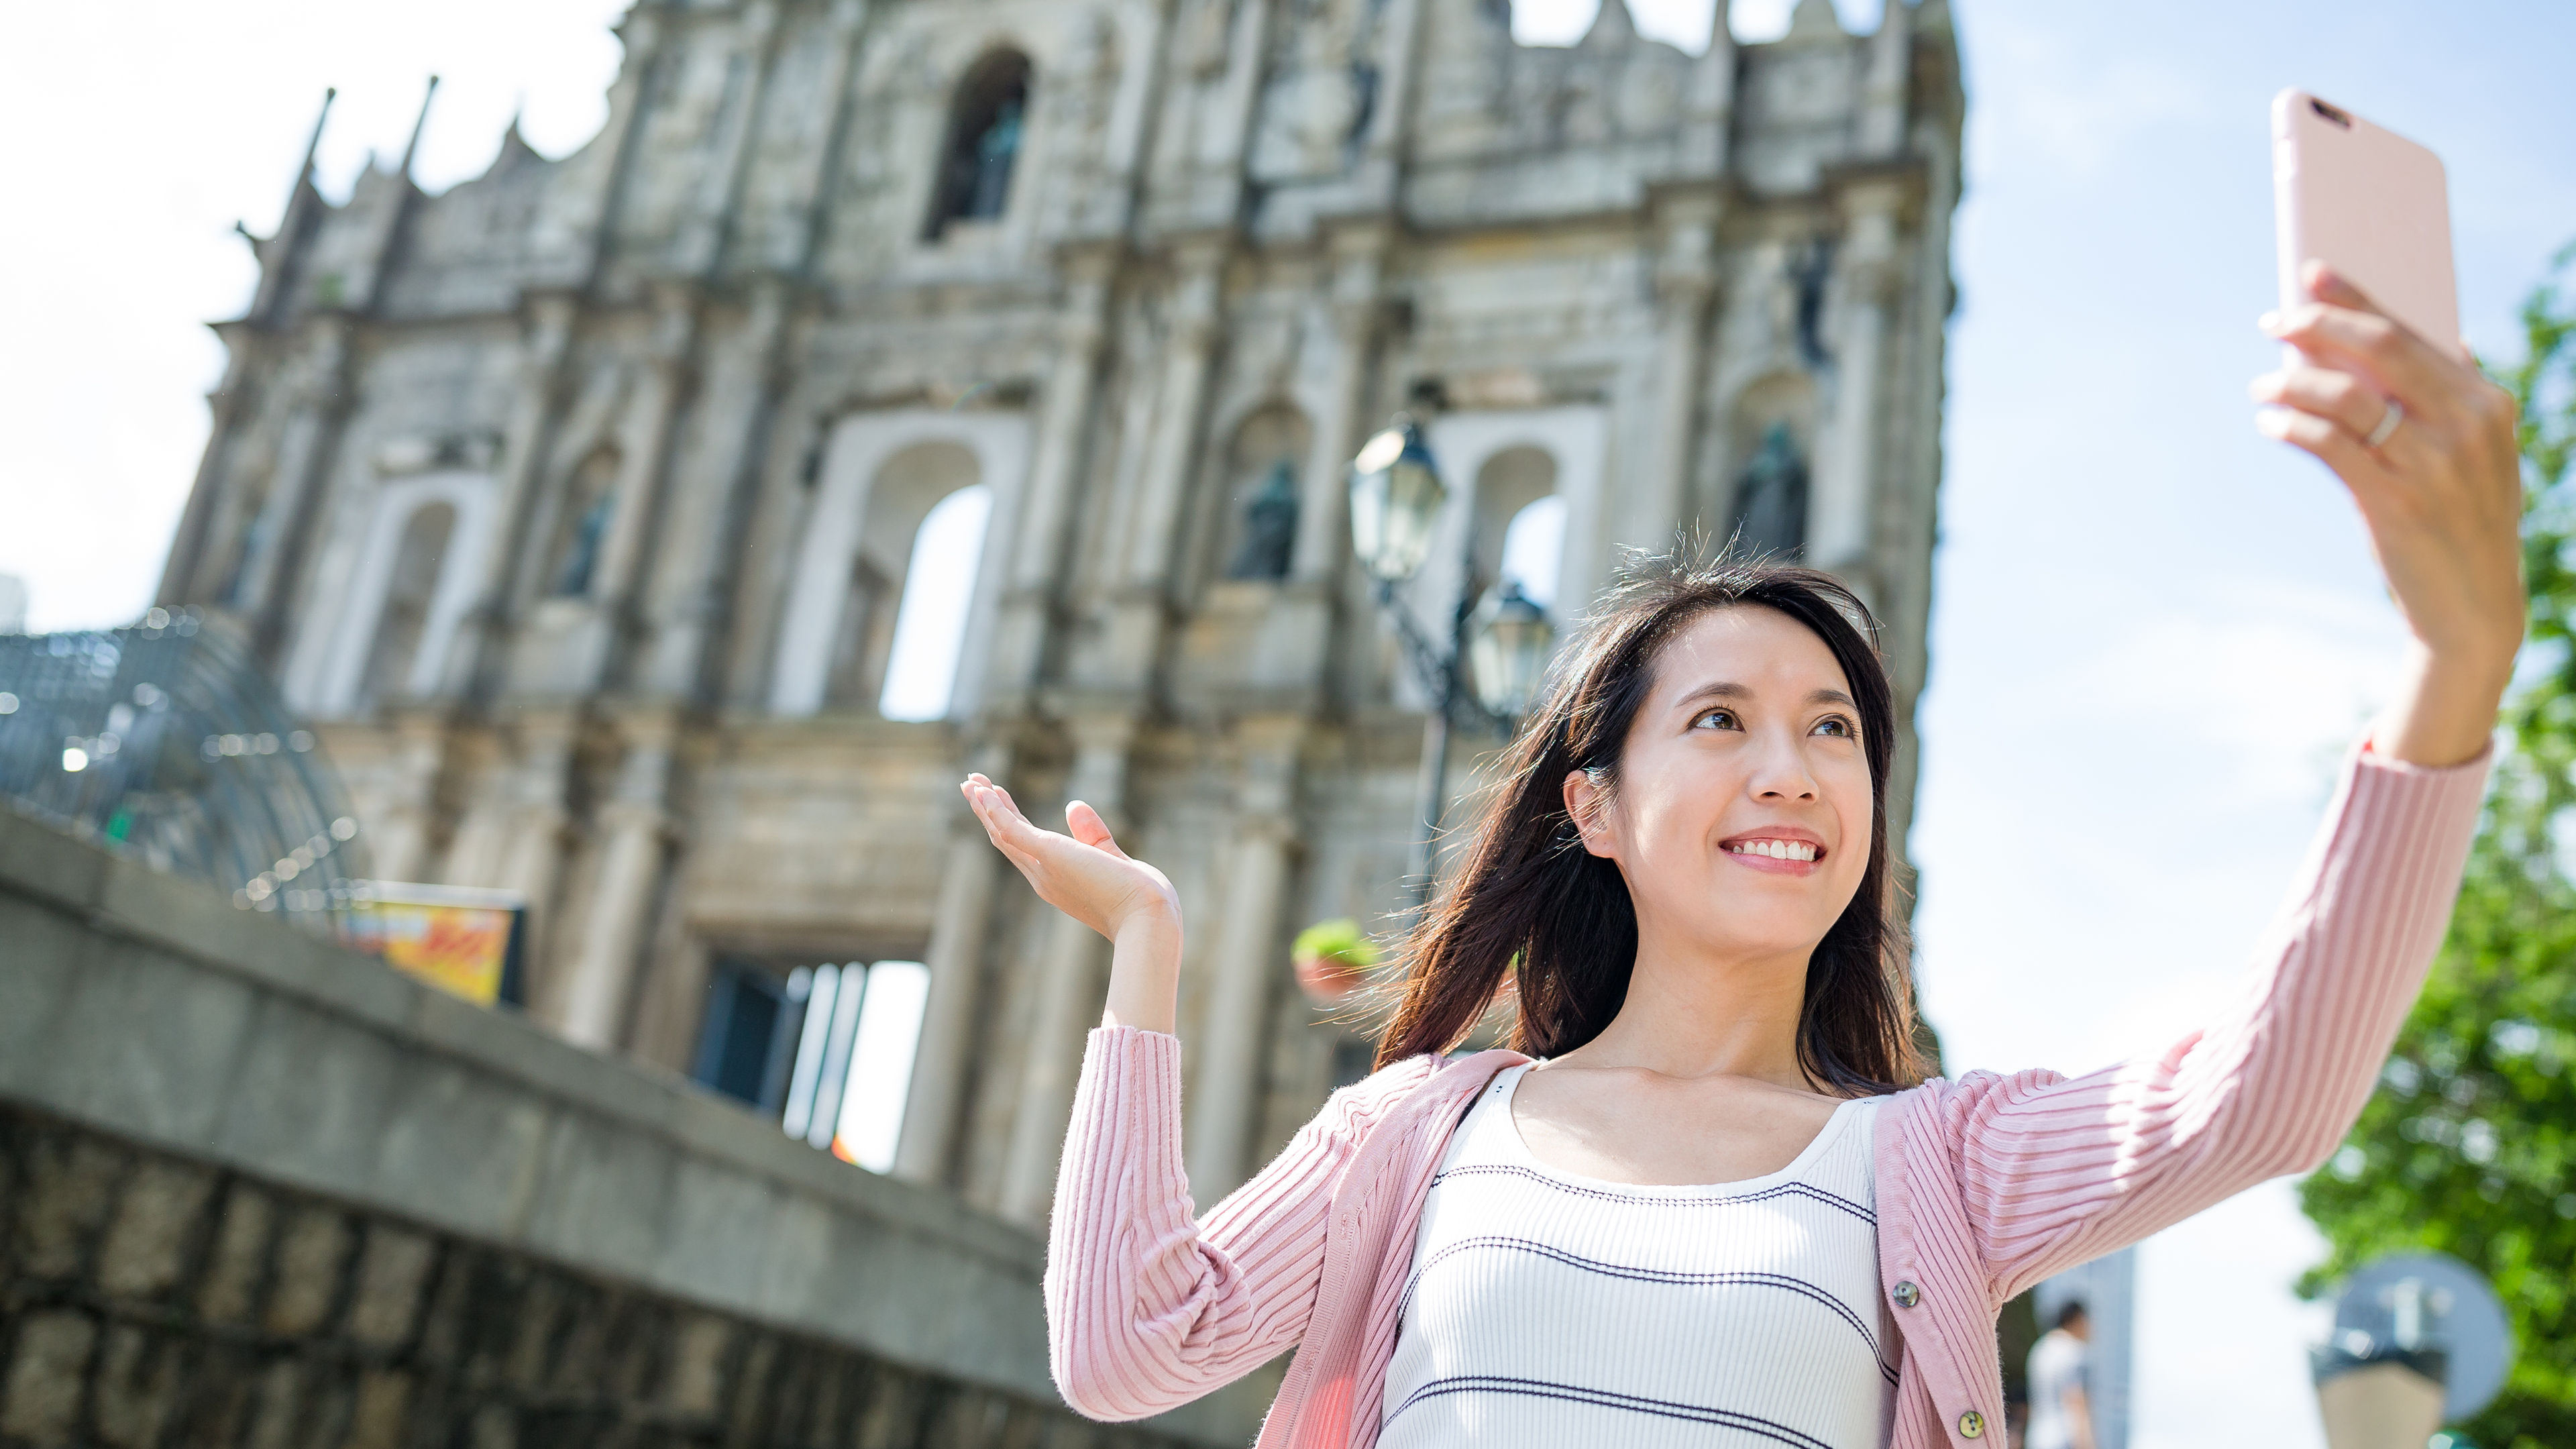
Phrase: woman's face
x=1741 y=815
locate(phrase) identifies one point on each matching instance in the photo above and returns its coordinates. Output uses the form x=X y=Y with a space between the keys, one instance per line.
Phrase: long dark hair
x=1531 y=902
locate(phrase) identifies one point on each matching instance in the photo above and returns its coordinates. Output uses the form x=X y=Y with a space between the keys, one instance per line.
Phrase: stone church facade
x=577 y=505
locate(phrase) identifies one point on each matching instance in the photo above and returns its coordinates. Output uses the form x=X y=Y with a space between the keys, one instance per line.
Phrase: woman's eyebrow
x=1721 y=689
x=1728 y=689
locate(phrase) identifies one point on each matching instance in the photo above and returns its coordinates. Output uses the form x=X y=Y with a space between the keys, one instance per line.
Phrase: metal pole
x=1436 y=730
x=1435 y=772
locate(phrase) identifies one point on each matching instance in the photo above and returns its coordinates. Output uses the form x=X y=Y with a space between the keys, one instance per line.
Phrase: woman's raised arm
x=2058 y=1172
x=1148 y=1308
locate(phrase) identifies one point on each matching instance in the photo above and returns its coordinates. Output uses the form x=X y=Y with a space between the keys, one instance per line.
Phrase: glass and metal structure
x=165 y=742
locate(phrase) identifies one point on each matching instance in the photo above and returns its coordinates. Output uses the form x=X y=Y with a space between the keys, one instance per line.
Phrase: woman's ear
x=1589 y=803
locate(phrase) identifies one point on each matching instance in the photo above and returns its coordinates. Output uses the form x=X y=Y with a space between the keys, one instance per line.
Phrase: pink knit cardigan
x=1985 y=1185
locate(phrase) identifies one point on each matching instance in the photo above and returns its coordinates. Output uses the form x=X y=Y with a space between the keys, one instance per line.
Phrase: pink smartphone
x=2369 y=203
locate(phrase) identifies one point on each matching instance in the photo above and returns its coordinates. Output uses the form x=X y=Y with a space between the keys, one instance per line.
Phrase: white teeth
x=1776 y=849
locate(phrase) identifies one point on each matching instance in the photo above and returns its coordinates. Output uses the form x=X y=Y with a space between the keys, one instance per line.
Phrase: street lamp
x=1507 y=650
x=1396 y=496
x=1396 y=501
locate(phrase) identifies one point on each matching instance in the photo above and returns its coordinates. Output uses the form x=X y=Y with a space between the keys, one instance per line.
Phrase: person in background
x=2061 y=1417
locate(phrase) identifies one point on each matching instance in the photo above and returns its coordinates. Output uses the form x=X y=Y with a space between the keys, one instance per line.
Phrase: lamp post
x=1500 y=645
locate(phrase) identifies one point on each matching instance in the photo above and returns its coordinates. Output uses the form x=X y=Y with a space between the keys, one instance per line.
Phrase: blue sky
x=2154 y=631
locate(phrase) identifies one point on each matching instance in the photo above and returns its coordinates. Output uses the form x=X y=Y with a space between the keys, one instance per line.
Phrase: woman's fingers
x=2346 y=330
x=2338 y=397
x=2393 y=360
x=1002 y=821
x=1026 y=843
x=1090 y=829
x=2333 y=445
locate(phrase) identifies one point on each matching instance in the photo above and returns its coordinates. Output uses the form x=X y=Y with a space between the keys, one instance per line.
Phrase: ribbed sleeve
x=1146 y=1308
x=2056 y=1172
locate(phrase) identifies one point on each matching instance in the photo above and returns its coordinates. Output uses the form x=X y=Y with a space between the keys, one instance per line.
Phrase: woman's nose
x=1782 y=774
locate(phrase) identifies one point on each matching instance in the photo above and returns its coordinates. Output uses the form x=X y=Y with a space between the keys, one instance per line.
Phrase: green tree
x=2469 y=1145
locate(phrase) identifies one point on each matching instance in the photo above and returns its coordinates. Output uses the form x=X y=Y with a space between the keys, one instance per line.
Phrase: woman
x=1710 y=1199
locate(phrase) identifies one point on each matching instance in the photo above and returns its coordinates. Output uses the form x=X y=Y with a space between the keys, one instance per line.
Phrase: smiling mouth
x=1775 y=849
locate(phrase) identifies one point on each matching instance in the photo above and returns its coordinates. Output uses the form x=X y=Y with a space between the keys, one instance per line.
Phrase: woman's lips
x=1776 y=854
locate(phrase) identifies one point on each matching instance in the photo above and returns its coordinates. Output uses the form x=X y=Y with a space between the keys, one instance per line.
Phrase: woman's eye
x=1835 y=725
x=1721 y=719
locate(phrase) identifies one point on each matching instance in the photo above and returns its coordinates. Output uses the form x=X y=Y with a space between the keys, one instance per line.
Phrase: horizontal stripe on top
x=1606 y=1399
x=1556 y=1184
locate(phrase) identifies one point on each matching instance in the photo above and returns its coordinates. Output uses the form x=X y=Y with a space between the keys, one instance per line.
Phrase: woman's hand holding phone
x=2427 y=445
x=1085 y=875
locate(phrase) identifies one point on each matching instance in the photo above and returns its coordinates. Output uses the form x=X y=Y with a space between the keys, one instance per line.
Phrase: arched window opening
x=1506 y=486
x=413 y=583
x=986 y=125
x=581 y=528
x=930 y=623
x=1534 y=549
x=1258 y=534
x=901 y=626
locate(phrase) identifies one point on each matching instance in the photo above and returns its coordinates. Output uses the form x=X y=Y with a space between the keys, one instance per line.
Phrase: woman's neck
x=1693 y=1013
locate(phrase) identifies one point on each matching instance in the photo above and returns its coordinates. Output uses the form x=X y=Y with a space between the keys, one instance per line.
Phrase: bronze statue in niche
x=1771 y=496
x=1269 y=527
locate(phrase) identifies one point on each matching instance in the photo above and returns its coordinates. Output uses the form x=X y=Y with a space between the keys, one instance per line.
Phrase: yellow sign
x=457 y=941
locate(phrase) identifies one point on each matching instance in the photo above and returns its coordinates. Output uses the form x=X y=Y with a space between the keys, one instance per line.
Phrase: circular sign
x=2418 y=1301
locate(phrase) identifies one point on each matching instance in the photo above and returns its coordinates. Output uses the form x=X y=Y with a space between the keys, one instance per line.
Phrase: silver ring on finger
x=2388 y=422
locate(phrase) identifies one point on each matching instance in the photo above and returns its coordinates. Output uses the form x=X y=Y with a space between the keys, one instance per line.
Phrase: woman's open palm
x=1083 y=874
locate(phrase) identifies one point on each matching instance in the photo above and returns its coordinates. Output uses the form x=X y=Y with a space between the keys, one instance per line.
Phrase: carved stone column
x=1884 y=87
x=399 y=822
x=1322 y=539
x=647 y=432
x=706 y=501
x=1072 y=982
x=1188 y=355
x=533 y=858
x=633 y=829
x=1232 y=1050
x=1709 y=110
x=1148 y=573
x=1028 y=601
x=1685 y=279
x=707 y=227
x=1839 y=533
x=940 y=1061
x=512 y=571
x=272 y=584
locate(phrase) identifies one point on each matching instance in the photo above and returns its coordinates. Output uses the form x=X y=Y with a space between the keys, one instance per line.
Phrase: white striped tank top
x=1549 y=1309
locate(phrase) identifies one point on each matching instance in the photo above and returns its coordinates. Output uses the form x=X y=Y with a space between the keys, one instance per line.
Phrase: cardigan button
x=1972 y=1425
x=1907 y=1295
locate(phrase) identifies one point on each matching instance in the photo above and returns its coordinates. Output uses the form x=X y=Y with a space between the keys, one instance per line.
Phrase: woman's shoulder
x=1389 y=1087
x=1955 y=1106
